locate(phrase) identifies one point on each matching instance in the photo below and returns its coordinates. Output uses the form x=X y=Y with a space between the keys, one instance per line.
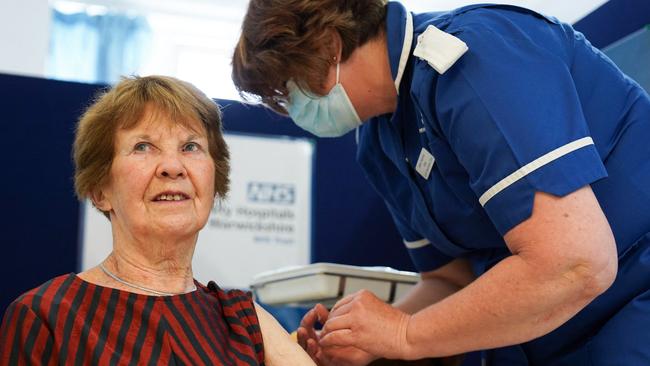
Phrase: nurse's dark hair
x=292 y=39
x=124 y=106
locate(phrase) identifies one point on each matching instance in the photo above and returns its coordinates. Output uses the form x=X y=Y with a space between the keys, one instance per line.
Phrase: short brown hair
x=291 y=39
x=123 y=106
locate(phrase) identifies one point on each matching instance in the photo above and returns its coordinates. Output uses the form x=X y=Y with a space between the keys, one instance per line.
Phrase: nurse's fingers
x=313 y=349
x=344 y=356
x=341 y=310
x=338 y=338
x=344 y=321
x=317 y=313
x=321 y=313
x=303 y=337
x=344 y=301
x=308 y=319
x=306 y=329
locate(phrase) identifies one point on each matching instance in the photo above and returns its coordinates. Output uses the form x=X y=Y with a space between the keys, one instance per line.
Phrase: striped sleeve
x=239 y=312
x=25 y=339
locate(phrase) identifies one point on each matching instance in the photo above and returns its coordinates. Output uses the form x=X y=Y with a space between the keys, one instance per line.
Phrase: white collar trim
x=406 y=50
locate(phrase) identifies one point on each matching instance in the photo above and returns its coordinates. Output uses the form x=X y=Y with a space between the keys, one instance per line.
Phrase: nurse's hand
x=344 y=356
x=363 y=321
x=308 y=338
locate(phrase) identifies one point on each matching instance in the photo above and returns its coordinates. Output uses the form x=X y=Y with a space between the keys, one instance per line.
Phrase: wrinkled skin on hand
x=309 y=340
x=364 y=322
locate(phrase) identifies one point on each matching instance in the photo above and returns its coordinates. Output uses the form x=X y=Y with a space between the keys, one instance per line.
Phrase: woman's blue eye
x=192 y=146
x=141 y=146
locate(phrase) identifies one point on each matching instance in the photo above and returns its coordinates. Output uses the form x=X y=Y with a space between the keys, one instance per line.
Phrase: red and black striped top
x=73 y=322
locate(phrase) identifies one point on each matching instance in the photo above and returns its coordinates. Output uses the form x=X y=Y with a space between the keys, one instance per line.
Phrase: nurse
x=513 y=157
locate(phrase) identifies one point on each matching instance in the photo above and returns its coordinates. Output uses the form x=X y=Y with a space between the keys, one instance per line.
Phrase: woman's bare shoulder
x=279 y=347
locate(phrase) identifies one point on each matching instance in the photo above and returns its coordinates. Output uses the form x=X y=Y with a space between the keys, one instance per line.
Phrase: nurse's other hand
x=363 y=321
x=308 y=336
x=344 y=356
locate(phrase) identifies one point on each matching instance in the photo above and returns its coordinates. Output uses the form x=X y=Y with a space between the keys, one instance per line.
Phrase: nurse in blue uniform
x=513 y=156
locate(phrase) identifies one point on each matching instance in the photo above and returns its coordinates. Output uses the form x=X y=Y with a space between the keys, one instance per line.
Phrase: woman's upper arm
x=279 y=348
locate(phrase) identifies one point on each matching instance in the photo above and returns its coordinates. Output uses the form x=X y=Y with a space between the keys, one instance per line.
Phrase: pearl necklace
x=142 y=288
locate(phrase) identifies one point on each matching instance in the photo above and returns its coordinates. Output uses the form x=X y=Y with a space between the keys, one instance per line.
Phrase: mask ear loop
x=338 y=64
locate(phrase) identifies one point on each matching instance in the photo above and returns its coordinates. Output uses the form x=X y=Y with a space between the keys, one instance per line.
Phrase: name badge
x=425 y=163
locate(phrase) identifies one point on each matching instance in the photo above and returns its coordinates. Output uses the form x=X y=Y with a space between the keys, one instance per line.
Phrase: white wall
x=24 y=36
x=25 y=24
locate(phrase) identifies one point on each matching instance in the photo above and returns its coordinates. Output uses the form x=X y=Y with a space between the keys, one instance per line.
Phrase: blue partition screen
x=632 y=55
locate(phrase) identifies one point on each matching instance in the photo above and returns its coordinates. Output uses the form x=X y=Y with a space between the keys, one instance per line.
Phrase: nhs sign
x=264 y=192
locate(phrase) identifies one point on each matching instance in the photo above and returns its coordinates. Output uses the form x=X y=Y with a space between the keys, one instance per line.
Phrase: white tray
x=328 y=282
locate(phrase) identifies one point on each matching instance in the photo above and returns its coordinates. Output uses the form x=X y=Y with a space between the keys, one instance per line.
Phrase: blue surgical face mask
x=331 y=115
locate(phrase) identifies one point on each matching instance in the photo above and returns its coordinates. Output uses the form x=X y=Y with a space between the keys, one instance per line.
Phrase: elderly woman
x=151 y=156
x=513 y=157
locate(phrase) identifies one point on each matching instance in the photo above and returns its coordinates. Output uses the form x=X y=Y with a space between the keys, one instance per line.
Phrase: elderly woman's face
x=162 y=178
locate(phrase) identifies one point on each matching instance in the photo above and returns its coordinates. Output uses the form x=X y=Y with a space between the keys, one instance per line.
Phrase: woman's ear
x=100 y=201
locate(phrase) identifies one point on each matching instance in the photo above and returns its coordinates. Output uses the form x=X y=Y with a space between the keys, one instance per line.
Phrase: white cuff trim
x=416 y=244
x=532 y=166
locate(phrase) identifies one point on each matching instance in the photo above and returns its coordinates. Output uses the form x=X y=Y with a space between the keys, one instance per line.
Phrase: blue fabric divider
x=40 y=223
x=632 y=55
x=614 y=20
x=40 y=213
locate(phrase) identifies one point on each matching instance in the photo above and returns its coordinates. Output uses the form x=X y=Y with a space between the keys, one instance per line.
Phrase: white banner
x=264 y=224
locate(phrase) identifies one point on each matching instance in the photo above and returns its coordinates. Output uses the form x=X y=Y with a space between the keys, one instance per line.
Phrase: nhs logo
x=264 y=192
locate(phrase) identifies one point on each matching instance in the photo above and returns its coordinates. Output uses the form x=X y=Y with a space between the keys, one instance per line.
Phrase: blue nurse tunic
x=530 y=106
